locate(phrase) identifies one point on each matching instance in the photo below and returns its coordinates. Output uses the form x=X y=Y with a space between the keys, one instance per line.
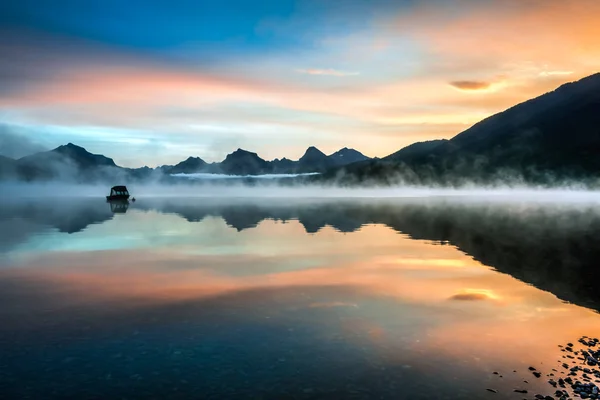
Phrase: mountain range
x=72 y=162
x=548 y=140
x=242 y=162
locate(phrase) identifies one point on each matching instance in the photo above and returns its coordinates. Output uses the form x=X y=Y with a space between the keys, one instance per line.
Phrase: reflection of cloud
x=470 y=85
x=469 y=296
x=328 y=71
x=473 y=295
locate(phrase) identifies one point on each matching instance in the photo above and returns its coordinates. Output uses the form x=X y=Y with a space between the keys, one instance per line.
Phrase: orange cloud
x=470 y=85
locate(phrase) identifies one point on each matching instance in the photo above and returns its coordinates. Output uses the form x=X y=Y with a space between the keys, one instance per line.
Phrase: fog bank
x=139 y=191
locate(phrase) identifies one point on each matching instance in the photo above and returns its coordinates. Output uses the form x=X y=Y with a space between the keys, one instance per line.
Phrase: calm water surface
x=281 y=299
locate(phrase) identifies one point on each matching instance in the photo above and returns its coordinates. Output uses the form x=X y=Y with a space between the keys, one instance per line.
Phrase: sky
x=154 y=82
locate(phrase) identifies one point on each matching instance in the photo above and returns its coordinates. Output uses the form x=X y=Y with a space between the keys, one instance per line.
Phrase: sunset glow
x=277 y=77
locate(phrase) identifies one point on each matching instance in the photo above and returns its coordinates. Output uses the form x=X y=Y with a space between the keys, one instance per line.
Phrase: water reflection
x=118 y=206
x=168 y=301
x=554 y=247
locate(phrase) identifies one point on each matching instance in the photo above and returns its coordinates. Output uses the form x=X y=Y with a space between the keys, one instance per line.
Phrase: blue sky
x=153 y=82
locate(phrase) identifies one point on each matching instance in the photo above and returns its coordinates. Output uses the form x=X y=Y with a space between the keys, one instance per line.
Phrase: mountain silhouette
x=68 y=161
x=551 y=138
x=347 y=156
x=189 y=166
x=242 y=162
x=415 y=149
x=74 y=163
x=283 y=166
x=314 y=159
x=81 y=157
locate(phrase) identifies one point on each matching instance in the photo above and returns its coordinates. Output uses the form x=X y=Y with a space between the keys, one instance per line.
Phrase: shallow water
x=274 y=299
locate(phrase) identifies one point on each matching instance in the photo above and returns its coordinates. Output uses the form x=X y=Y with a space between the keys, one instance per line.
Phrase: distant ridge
x=82 y=157
x=189 y=166
x=75 y=163
x=244 y=162
x=347 y=156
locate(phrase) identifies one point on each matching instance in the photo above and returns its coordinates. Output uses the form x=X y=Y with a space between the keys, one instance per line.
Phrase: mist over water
x=276 y=190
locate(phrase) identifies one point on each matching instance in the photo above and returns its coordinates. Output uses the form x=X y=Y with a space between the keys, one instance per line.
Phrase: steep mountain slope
x=558 y=132
x=242 y=162
x=415 y=150
x=314 y=160
x=81 y=157
x=66 y=162
x=189 y=166
x=551 y=138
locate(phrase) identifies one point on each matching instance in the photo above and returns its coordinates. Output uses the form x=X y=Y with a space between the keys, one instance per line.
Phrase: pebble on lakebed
x=580 y=380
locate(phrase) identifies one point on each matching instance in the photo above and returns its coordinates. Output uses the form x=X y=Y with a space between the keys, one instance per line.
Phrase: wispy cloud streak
x=328 y=72
x=470 y=85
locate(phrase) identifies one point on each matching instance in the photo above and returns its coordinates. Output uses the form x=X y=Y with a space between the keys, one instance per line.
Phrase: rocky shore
x=576 y=375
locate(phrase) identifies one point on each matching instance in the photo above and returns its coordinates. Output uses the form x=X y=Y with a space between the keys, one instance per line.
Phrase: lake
x=209 y=298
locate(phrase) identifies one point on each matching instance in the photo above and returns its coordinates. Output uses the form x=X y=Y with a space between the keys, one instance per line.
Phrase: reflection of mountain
x=244 y=215
x=552 y=247
x=69 y=216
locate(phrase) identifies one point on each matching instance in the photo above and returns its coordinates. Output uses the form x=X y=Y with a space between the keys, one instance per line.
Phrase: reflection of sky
x=140 y=244
x=374 y=293
x=136 y=231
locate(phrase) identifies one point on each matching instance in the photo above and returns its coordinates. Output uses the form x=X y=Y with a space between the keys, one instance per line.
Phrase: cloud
x=555 y=73
x=471 y=85
x=14 y=144
x=328 y=72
